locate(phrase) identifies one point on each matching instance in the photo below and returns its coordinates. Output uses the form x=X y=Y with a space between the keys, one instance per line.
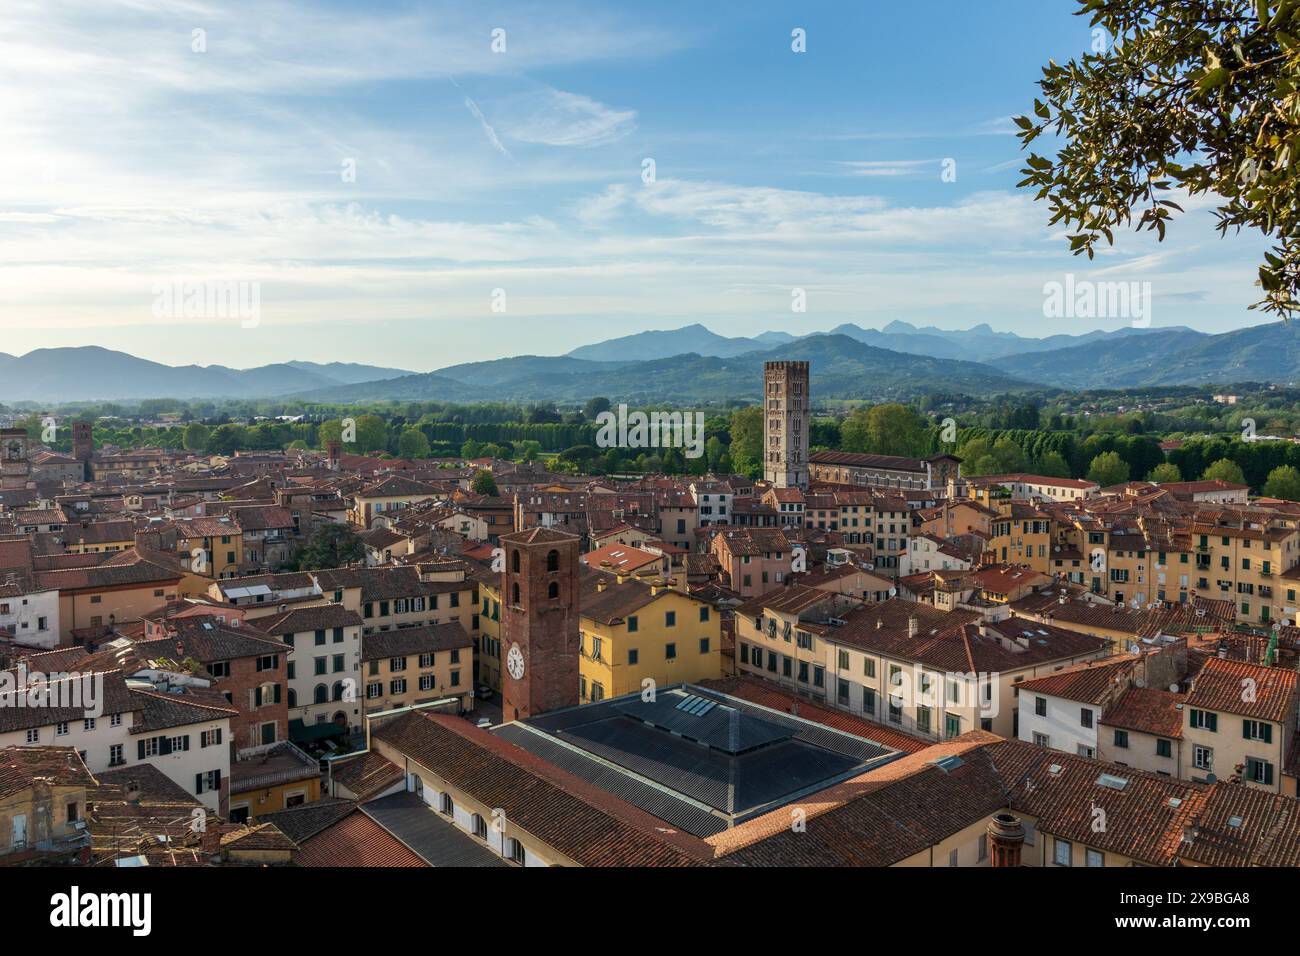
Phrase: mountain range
x=694 y=364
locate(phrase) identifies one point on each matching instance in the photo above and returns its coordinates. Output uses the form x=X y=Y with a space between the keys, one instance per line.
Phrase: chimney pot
x=1006 y=839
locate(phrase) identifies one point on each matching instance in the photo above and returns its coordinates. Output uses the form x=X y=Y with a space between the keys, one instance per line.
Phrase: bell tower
x=15 y=468
x=539 y=626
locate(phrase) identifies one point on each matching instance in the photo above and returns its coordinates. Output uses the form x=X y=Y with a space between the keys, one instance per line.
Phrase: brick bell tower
x=539 y=627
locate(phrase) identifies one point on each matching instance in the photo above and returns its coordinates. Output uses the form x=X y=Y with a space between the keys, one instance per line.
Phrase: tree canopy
x=1197 y=95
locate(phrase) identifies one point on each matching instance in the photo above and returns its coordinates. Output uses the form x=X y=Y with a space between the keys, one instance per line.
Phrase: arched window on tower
x=553 y=590
x=514 y=561
x=552 y=560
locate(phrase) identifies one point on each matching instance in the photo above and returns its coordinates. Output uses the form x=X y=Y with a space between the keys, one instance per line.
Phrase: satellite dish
x=1173 y=688
x=1211 y=778
x=893 y=591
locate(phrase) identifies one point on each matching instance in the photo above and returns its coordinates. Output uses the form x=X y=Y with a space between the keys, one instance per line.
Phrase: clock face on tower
x=515 y=662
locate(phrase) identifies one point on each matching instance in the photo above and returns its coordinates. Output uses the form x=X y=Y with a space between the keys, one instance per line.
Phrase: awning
x=300 y=733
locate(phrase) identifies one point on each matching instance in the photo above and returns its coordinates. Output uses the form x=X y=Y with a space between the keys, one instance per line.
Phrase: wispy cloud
x=487 y=127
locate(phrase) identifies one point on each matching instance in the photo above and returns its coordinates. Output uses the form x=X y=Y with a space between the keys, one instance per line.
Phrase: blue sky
x=135 y=162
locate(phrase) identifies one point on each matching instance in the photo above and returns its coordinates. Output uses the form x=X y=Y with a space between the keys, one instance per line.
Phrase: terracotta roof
x=1248 y=690
x=574 y=817
x=1088 y=683
x=355 y=841
x=404 y=641
x=20 y=767
x=1147 y=711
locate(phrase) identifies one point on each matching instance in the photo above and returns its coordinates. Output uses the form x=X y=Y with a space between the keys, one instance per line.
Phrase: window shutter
x=203 y=739
x=277 y=693
x=218 y=735
x=185 y=742
x=141 y=743
x=198 y=783
x=1268 y=773
x=164 y=745
x=216 y=779
x=1245 y=729
x=1268 y=733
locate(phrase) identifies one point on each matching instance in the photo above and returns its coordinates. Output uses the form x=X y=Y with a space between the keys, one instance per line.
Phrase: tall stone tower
x=787 y=416
x=539 y=627
x=83 y=447
x=15 y=469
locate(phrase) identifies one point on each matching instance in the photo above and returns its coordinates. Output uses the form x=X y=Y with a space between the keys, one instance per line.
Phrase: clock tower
x=539 y=625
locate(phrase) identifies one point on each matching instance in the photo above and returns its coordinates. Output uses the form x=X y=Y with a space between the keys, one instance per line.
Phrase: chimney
x=132 y=793
x=911 y=626
x=1006 y=839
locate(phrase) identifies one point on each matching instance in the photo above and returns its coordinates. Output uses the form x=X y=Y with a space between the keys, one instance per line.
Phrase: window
x=1259 y=771
x=1121 y=739
x=984 y=846
x=88 y=723
x=951 y=725
x=115 y=758
x=61 y=729
x=1042 y=740
x=210 y=738
x=1085 y=717
x=445 y=804
x=1164 y=748
x=374 y=690
x=704 y=613
x=1204 y=720
x=1040 y=706
x=1096 y=858
x=1257 y=730
x=952 y=857
x=704 y=645
x=1203 y=758
x=516 y=852
x=426 y=682
x=397 y=686
x=632 y=624
x=670 y=652
x=320 y=637
x=478 y=823
x=1062 y=852
x=670 y=618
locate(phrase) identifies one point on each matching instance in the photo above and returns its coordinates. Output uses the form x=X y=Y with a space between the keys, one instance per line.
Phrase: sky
x=415 y=185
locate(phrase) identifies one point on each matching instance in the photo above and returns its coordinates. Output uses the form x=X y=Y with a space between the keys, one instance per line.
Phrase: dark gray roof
x=428 y=834
x=667 y=806
x=697 y=759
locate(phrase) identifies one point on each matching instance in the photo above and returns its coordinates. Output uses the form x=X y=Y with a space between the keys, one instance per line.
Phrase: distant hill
x=90 y=373
x=695 y=365
x=841 y=368
x=1261 y=353
x=664 y=344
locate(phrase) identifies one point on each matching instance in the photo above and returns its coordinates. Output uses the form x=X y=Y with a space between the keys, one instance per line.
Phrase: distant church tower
x=15 y=469
x=539 y=627
x=787 y=416
x=83 y=447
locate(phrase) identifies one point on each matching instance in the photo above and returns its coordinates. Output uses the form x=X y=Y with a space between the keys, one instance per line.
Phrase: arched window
x=293 y=697
x=553 y=590
x=322 y=694
x=338 y=690
x=514 y=561
x=514 y=594
x=446 y=805
x=417 y=785
x=480 y=826
x=552 y=560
